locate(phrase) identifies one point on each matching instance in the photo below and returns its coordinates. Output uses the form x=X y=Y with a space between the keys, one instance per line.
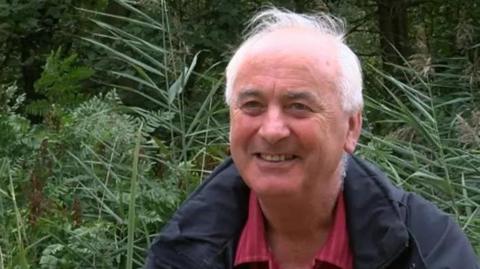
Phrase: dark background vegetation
x=111 y=112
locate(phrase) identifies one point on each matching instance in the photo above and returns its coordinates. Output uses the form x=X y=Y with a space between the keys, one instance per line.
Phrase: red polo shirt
x=253 y=252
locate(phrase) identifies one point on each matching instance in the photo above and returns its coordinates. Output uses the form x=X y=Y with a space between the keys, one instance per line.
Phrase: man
x=293 y=196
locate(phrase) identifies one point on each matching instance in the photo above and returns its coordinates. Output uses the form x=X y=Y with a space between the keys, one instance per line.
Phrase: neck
x=301 y=215
x=298 y=225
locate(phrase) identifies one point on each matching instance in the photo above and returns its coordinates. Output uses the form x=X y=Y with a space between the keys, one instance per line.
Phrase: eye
x=299 y=107
x=299 y=110
x=252 y=107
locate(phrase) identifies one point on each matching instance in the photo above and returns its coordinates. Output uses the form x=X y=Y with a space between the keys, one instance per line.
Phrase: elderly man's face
x=288 y=130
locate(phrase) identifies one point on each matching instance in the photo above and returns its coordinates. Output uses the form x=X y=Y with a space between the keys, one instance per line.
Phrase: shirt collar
x=253 y=248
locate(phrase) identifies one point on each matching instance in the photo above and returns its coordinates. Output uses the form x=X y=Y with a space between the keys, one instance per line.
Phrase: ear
x=353 y=132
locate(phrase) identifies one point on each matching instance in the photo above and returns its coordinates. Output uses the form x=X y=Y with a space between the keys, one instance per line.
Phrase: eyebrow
x=300 y=95
x=289 y=95
x=247 y=93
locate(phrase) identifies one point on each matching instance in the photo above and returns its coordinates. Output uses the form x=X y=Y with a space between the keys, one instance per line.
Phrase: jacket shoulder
x=203 y=231
x=438 y=236
x=438 y=239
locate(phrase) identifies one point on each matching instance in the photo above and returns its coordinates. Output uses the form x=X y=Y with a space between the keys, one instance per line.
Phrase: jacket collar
x=205 y=229
x=207 y=226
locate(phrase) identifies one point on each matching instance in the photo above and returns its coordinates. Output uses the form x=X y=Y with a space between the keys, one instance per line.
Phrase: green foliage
x=422 y=140
x=15 y=139
x=91 y=185
x=9 y=100
x=60 y=82
x=29 y=31
x=80 y=177
x=164 y=81
x=89 y=169
x=61 y=78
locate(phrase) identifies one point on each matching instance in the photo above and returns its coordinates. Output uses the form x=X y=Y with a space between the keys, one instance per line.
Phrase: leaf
x=178 y=86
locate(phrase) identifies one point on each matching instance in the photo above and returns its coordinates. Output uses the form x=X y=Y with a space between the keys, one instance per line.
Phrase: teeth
x=276 y=158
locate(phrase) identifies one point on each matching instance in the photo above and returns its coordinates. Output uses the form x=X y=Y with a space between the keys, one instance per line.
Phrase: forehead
x=289 y=58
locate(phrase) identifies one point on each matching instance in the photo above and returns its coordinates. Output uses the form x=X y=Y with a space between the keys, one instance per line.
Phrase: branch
x=414 y=3
x=360 y=22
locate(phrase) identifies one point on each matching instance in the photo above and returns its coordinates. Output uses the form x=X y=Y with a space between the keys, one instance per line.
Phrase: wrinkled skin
x=288 y=129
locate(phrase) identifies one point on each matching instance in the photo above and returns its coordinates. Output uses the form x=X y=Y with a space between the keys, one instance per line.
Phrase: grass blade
x=131 y=206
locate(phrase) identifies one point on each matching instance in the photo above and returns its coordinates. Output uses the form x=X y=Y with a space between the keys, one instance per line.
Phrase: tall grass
x=93 y=190
x=159 y=73
x=131 y=206
x=415 y=135
x=184 y=137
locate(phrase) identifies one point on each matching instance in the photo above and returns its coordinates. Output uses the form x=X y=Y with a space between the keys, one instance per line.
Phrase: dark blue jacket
x=388 y=227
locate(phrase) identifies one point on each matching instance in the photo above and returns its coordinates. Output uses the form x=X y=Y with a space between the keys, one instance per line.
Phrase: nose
x=274 y=126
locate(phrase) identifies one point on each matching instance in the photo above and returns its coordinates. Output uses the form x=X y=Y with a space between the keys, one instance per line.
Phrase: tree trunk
x=31 y=69
x=393 y=27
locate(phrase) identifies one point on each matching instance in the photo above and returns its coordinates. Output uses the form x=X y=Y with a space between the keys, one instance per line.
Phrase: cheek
x=241 y=126
x=240 y=131
x=311 y=131
x=317 y=137
x=234 y=125
x=330 y=125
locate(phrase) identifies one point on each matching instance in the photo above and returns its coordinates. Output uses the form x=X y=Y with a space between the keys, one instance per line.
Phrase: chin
x=273 y=187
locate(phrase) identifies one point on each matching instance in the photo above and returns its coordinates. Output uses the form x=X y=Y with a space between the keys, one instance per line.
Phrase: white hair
x=273 y=19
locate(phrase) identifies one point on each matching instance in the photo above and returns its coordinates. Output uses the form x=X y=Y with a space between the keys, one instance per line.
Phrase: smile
x=275 y=157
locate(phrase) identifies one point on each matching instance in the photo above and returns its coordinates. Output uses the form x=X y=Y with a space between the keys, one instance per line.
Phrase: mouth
x=275 y=158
